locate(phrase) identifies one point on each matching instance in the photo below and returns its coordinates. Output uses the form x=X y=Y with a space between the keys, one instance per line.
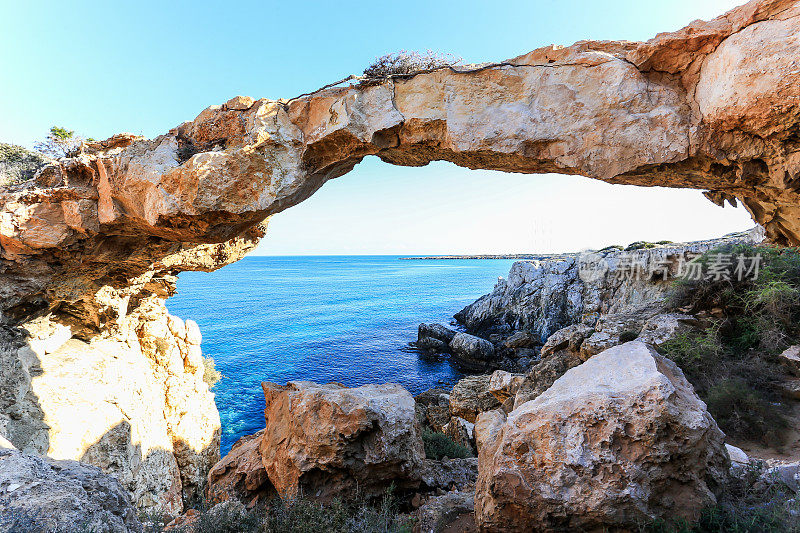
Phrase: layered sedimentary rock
x=616 y=441
x=693 y=108
x=329 y=440
x=95 y=237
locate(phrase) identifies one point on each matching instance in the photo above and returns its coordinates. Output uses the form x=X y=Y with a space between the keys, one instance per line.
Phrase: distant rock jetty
x=518 y=257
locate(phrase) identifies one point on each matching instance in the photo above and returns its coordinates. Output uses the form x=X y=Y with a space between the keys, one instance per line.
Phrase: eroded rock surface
x=133 y=403
x=618 y=440
x=693 y=108
x=330 y=440
x=41 y=494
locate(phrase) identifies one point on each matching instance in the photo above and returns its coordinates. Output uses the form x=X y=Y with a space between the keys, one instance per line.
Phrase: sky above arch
x=143 y=67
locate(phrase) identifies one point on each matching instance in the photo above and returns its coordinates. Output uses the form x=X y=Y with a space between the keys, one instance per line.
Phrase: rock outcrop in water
x=94 y=242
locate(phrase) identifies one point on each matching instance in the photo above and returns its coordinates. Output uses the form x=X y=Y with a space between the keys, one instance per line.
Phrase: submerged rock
x=41 y=494
x=330 y=440
x=618 y=440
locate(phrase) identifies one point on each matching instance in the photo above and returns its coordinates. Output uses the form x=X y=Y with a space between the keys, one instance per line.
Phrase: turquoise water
x=347 y=319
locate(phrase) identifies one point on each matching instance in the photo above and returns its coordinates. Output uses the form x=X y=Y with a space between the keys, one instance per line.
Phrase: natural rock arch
x=97 y=239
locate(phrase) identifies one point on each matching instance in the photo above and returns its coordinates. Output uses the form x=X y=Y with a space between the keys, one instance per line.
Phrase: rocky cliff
x=93 y=242
x=542 y=297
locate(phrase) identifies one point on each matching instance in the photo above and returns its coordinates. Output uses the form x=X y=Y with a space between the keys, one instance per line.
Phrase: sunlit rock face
x=96 y=237
x=133 y=403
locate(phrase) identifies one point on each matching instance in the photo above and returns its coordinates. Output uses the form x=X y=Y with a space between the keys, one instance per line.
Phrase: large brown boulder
x=330 y=440
x=241 y=475
x=619 y=439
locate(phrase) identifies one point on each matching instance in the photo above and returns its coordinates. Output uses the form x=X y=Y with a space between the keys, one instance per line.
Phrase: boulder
x=471 y=396
x=736 y=455
x=433 y=408
x=543 y=374
x=618 y=440
x=41 y=494
x=453 y=473
x=470 y=351
x=570 y=338
x=241 y=475
x=460 y=431
x=435 y=331
x=330 y=440
x=666 y=326
x=441 y=511
x=521 y=339
x=504 y=385
x=613 y=329
x=790 y=358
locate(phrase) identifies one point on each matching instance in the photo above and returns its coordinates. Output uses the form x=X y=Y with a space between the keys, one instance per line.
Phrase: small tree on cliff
x=60 y=142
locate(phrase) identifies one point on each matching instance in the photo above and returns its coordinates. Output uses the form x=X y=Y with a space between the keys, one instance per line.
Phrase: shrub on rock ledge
x=409 y=62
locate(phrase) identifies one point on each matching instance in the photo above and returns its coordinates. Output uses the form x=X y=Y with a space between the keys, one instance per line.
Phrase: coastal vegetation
x=438 y=445
x=18 y=164
x=409 y=62
x=733 y=361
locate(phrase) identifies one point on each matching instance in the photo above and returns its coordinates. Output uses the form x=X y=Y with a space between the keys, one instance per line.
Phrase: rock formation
x=132 y=403
x=542 y=297
x=328 y=440
x=619 y=440
x=41 y=494
x=241 y=475
x=94 y=241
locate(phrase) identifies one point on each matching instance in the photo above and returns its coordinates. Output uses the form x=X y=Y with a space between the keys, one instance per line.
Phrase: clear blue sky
x=144 y=67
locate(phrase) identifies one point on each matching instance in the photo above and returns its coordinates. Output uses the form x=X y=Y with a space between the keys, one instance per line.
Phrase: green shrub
x=18 y=164
x=408 y=62
x=304 y=515
x=733 y=362
x=307 y=516
x=743 y=412
x=210 y=373
x=438 y=445
x=749 y=505
x=627 y=336
x=640 y=245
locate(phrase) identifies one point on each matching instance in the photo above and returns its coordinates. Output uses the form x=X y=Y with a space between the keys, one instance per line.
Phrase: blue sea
x=347 y=319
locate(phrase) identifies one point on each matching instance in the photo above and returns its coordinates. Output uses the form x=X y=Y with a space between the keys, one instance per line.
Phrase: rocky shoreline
x=578 y=420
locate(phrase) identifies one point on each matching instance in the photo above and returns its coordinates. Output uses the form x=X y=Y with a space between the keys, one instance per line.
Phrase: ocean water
x=347 y=319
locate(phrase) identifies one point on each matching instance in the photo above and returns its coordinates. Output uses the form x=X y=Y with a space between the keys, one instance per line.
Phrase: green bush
x=749 y=505
x=438 y=445
x=733 y=362
x=640 y=245
x=743 y=412
x=210 y=373
x=18 y=164
x=304 y=515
